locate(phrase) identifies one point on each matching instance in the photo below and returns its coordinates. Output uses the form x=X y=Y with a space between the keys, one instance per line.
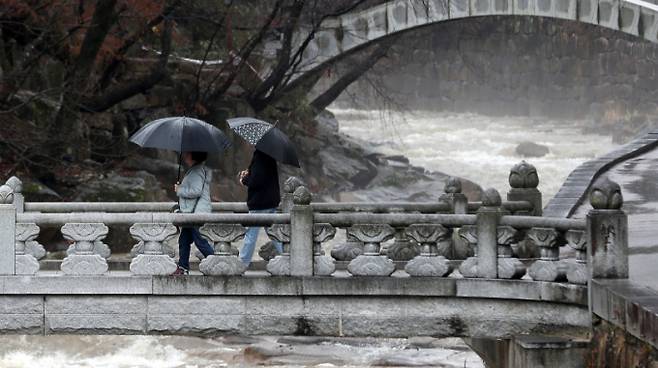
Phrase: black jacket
x=262 y=182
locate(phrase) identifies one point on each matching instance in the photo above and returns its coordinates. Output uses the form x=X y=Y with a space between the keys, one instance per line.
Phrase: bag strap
x=203 y=186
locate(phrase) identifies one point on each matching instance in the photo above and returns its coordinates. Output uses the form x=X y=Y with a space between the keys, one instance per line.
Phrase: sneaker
x=180 y=271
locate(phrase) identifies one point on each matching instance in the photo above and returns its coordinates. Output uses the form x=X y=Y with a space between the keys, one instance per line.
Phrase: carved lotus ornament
x=523 y=175
x=606 y=195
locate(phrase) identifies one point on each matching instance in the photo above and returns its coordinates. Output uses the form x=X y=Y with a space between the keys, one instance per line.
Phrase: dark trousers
x=187 y=236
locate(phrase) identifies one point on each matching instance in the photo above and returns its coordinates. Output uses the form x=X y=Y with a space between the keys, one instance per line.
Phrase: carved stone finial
x=302 y=196
x=16 y=184
x=291 y=184
x=453 y=185
x=523 y=175
x=6 y=195
x=606 y=195
x=491 y=198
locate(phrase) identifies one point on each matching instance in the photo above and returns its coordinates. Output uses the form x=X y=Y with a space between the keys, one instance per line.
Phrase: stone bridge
x=489 y=269
x=341 y=36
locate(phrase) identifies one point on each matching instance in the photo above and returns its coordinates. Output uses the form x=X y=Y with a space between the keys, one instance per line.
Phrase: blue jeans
x=187 y=236
x=250 y=238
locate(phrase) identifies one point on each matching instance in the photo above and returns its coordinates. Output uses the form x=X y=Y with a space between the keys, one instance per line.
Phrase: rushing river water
x=475 y=147
x=478 y=148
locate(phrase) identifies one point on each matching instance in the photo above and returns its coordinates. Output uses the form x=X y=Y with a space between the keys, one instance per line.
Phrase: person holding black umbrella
x=262 y=177
x=262 y=182
x=193 y=197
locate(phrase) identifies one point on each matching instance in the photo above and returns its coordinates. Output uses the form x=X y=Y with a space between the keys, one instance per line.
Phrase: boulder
x=530 y=149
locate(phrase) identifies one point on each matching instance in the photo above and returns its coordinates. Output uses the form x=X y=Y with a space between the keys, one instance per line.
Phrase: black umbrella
x=266 y=138
x=182 y=134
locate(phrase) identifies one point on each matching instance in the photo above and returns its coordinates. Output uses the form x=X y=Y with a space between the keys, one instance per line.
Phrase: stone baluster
x=454 y=247
x=153 y=260
x=17 y=186
x=523 y=180
x=83 y=261
x=577 y=272
x=99 y=247
x=301 y=233
x=280 y=265
x=224 y=261
x=488 y=217
x=508 y=266
x=322 y=265
x=26 y=263
x=607 y=232
x=7 y=231
x=547 y=267
x=403 y=248
x=429 y=262
x=469 y=234
x=371 y=263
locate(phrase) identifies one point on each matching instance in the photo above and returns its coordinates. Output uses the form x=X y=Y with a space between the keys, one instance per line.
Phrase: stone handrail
x=256 y=219
x=241 y=207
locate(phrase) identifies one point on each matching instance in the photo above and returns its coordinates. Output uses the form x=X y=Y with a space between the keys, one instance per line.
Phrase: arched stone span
x=341 y=36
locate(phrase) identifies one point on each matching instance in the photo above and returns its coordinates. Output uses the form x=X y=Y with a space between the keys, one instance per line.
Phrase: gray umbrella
x=182 y=134
x=266 y=138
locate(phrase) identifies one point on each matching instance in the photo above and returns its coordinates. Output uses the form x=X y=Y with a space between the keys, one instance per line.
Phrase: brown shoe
x=180 y=271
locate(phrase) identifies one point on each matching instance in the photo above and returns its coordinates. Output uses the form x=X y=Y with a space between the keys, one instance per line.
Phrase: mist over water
x=476 y=147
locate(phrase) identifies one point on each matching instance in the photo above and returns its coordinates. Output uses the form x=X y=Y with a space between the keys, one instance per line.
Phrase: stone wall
x=520 y=66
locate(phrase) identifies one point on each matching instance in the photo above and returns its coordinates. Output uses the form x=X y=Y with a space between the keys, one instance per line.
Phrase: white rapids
x=475 y=147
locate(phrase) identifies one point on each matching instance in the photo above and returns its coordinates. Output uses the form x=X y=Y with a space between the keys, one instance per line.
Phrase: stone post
x=223 y=262
x=17 y=186
x=429 y=262
x=607 y=228
x=83 y=261
x=523 y=180
x=289 y=187
x=469 y=234
x=26 y=263
x=7 y=231
x=547 y=267
x=301 y=234
x=509 y=267
x=322 y=265
x=577 y=272
x=371 y=263
x=488 y=217
x=280 y=265
x=453 y=196
x=454 y=247
x=153 y=260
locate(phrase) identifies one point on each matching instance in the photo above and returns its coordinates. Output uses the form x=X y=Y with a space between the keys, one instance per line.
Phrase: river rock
x=530 y=149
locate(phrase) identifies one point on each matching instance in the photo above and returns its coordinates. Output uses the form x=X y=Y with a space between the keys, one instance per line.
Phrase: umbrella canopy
x=266 y=138
x=182 y=134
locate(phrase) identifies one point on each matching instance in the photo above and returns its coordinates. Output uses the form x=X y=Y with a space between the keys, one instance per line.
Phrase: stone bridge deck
x=256 y=304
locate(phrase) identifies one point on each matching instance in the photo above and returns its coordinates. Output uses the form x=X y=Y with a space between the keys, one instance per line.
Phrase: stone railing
x=491 y=232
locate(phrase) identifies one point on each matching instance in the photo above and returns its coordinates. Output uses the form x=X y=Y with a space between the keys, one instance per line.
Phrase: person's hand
x=243 y=174
x=176 y=187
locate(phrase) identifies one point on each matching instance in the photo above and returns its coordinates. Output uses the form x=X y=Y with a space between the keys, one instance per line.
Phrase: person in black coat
x=263 y=196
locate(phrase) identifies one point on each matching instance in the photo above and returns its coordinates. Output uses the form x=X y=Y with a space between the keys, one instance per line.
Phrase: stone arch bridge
x=519 y=273
x=338 y=37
